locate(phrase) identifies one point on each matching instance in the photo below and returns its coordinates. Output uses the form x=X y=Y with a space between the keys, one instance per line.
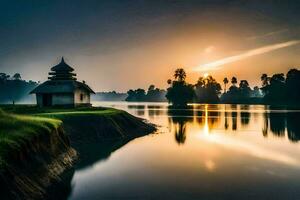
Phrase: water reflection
x=177 y=121
x=280 y=124
x=198 y=155
x=245 y=115
x=140 y=109
x=234 y=117
x=90 y=153
x=226 y=125
x=154 y=110
x=293 y=126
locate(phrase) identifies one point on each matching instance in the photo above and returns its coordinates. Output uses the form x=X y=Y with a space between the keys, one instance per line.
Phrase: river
x=207 y=152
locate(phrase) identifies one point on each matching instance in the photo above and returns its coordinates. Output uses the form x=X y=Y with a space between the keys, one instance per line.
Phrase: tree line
x=275 y=89
x=14 y=89
x=109 y=96
x=153 y=95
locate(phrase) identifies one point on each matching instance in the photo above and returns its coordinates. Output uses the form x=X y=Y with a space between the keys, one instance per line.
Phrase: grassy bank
x=35 y=144
x=18 y=130
x=89 y=123
x=34 y=153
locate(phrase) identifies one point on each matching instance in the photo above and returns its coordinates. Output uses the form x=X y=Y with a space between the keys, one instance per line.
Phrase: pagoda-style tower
x=62 y=88
x=62 y=71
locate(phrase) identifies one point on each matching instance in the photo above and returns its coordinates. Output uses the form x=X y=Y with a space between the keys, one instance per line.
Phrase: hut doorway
x=47 y=100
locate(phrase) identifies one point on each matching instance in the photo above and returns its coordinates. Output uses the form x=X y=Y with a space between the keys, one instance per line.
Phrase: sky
x=119 y=44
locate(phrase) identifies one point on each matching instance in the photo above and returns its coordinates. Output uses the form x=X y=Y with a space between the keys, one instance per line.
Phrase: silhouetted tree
x=244 y=88
x=275 y=90
x=265 y=80
x=293 y=86
x=234 y=80
x=241 y=94
x=4 y=77
x=153 y=94
x=151 y=88
x=281 y=90
x=17 y=76
x=232 y=95
x=225 y=81
x=136 y=95
x=180 y=93
x=180 y=74
x=207 y=90
x=15 y=89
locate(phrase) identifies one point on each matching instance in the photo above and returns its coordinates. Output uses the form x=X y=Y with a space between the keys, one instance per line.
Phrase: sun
x=205 y=75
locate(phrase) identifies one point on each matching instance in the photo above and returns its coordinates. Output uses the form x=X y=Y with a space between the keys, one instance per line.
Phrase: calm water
x=208 y=152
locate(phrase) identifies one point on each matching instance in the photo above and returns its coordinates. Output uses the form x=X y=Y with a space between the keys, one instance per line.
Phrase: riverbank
x=90 y=123
x=34 y=152
x=35 y=147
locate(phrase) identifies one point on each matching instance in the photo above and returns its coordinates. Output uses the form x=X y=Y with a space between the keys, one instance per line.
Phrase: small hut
x=62 y=89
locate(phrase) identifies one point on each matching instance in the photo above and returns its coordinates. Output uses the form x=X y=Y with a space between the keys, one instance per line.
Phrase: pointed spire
x=62 y=71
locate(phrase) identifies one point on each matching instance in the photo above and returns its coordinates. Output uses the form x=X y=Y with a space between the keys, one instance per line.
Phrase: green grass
x=19 y=124
x=17 y=130
x=33 y=109
x=59 y=113
x=66 y=113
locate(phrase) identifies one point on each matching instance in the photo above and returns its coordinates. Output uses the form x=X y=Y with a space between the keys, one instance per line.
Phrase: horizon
x=101 y=40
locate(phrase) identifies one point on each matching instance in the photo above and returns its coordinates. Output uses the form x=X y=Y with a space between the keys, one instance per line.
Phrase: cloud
x=253 y=52
x=268 y=34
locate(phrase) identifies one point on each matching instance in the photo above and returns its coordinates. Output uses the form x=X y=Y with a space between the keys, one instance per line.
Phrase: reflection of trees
x=266 y=125
x=213 y=118
x=178 y=120
x=279 y=122
x=245 y=115
x=226 y=125
x=293 y=126
x=140 y=109
x=90 y=153
x=226 y=120
x=180 y=133
x=234 y=117
x=209 y=114
x=154 y=110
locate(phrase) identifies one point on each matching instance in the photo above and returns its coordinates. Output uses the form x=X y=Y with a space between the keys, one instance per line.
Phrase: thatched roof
x=61 y=86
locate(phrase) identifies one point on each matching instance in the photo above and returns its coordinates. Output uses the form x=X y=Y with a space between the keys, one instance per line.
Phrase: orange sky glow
x=144 y=43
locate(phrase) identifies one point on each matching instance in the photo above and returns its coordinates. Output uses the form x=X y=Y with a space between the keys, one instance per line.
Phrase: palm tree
x=233 y=80
x=225 y=81
x=180 y=74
